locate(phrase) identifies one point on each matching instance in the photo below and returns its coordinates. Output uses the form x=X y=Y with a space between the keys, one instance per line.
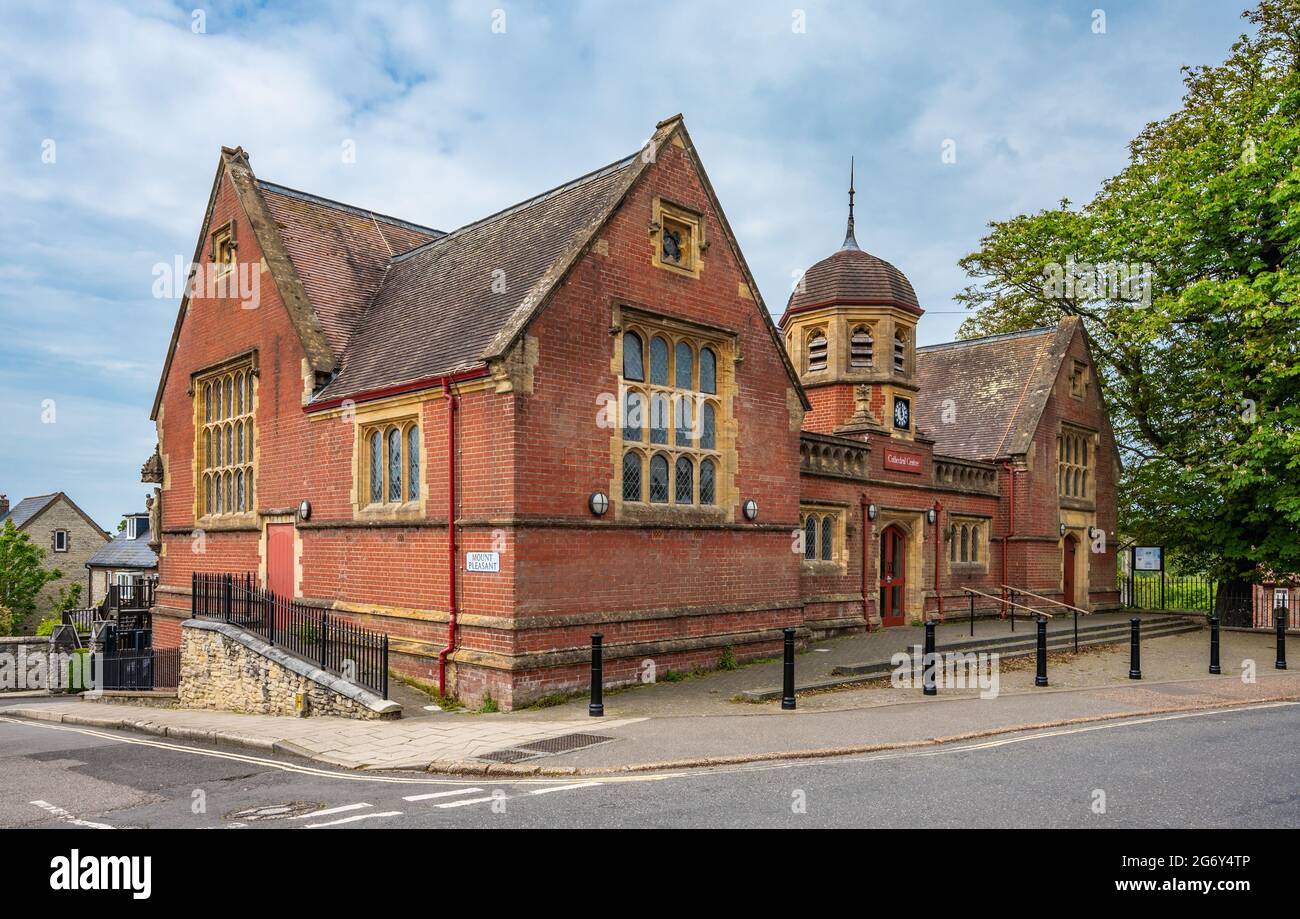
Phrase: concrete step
x=1005 y=646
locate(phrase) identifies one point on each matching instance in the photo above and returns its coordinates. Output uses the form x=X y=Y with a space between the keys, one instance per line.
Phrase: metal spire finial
x=850 y=241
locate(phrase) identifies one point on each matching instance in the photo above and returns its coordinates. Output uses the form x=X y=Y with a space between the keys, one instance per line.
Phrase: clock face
x=902 y=413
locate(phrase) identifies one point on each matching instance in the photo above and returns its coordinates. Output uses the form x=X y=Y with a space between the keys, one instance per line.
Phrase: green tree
x=1197 y=348
x=22 y=574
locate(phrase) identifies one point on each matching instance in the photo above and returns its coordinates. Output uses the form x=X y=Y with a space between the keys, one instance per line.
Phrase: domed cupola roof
x=852 y=277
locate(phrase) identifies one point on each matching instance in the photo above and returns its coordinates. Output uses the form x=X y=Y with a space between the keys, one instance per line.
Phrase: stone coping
x=363 y=697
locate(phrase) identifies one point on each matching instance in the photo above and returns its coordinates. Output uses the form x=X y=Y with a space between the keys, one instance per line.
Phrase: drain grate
x=565 y=743
x=507 y=756
x=275 y=811
x=550 y=746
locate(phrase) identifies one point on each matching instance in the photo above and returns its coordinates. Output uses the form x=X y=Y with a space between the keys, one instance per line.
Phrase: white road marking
x=332 y=810
x=465 y=801
x=442 y=794
x=309 y=770
x=316 y=826
x=547 y=791
x=67 y=817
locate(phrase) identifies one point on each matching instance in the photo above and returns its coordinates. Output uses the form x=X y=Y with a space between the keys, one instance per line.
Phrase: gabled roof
x=997 y=387
x=439 y=309
x=124 y=552
x=27 y=508
x=339 y=252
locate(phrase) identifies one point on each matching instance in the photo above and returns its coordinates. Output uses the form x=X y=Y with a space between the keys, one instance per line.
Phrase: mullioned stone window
x=225 y=441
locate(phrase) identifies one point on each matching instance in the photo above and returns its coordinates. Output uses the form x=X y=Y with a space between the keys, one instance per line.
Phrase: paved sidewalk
x=457 y=743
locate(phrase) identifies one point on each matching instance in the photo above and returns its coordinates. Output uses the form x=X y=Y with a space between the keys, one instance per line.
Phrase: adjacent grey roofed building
x=125 y=551
x=27 y=508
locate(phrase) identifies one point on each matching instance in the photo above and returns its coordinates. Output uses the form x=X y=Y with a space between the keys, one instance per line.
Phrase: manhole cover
x=507 y=756
x=275 y=811
x=564 y=744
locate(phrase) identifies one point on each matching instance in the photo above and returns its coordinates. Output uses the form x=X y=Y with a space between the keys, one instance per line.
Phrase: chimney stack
x=4 y=505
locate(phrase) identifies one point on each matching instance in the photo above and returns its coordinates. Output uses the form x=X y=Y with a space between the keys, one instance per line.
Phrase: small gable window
x=60 y=540
x=676 y=232
x=223 y=247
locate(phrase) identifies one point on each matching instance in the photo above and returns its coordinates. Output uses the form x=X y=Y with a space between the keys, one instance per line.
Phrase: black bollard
x=787 y=681
x=1279 y=616
x=1135 y=649
x=929 y=662
x=1040 y=679
x=596 y=708
x=1214 y=645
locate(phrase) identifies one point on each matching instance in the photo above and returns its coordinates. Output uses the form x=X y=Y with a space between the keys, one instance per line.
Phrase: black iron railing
x=147 y=669
x=135 y=595
x=332 y=643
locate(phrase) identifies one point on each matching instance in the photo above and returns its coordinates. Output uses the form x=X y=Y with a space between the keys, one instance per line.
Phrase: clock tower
x=850 y=330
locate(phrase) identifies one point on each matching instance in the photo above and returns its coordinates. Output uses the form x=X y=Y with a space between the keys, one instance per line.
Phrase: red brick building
x=577 y=415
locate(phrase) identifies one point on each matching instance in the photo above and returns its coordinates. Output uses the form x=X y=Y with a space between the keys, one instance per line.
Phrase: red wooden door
x=279 y=559
x=1067 y=580
x=893 y=580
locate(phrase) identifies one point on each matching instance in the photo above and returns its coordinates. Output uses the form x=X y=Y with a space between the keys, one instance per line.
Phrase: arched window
x=207 y=497
x=685 y=371
x=658 y=361
x=216 y=408
x=631 y=476
x=952 y=545
x=248 y=380
x=810 y=539
x=684 y=422
x=413 y=463
x=817 y=351
x=221 y=505
x=633 y=357
x=239 y=394
x=229 y=401
x=708 y=371
x=828 y=539
x=230 y=491
x=230 y=443
x=207 y=449
x=860 y=348
x=207 y=402
x=659 y=419
x=974 y=544
x=658 y=479
x=239 y=490
x=633 y=416
x=239 y=442
x=708 y=427
x=708 y=477
x=394 y=465
x=900 y=351
x=685 y=481
x=965 y=543
x=376 y=468
x=216 y=444
x=223 y=441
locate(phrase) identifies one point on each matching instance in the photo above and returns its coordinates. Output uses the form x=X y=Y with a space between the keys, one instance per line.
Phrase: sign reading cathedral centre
x=902 y=461
x=483 y=561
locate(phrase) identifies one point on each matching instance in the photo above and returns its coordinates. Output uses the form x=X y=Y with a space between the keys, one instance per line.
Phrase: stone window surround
x=723 y=343
x=977 y=523
x=838 y=562
x=245 y=363
x=668 y=214
x=402 y=414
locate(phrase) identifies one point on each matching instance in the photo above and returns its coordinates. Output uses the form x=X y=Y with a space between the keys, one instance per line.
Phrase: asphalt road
x=1234 y=768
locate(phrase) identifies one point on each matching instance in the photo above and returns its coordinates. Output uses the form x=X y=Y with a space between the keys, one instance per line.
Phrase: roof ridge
x=983 y=339
x=603 y=171
x=350 y=208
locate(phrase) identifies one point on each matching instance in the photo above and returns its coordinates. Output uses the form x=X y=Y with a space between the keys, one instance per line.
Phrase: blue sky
x=452 y=120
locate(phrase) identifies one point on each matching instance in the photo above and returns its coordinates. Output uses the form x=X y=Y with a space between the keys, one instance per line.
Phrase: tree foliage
x=1198 y=361
x=22 y=574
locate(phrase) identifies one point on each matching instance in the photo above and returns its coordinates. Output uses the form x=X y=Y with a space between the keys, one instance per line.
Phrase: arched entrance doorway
x=1070 y=549
x=893 y=575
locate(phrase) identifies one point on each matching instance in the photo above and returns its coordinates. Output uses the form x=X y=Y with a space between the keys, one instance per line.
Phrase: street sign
x=483 y=561
x=1148 y=558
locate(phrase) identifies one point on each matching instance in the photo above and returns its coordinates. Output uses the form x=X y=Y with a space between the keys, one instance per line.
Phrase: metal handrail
x=1021 y=590
x=1037 y=612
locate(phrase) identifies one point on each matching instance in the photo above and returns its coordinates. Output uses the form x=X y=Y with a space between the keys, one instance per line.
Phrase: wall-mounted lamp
x=598 y=503
x=304 y=510
x=750 y=509
x=931 y=515
x=872 y=511
x=1062 y=530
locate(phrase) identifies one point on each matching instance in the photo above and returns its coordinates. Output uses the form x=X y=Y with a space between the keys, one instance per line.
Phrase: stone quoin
x=397 y=402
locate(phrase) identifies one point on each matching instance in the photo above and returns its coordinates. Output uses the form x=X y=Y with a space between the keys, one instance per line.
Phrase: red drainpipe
x=452 y=404
x=866 y=549
x=1011 y=531
x=938 y=540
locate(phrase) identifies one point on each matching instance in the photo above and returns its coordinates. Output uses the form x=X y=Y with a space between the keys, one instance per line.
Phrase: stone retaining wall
x=224 y=668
